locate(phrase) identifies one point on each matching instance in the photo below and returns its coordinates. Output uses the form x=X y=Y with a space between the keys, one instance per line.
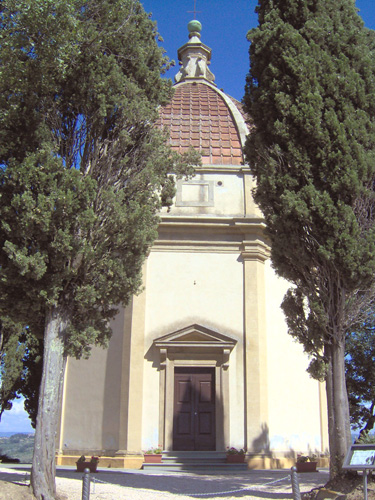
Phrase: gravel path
x=136 y=485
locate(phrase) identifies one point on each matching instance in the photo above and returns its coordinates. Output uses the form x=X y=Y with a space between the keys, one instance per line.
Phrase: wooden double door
x=194 y=409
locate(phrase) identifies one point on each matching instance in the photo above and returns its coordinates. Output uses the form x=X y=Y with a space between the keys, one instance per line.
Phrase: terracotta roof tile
x=236 y=153
x=199 y=116
x=217 y=160
x=227 y=160
x=226 y=151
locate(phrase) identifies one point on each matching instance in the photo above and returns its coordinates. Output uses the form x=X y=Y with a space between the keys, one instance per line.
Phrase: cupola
x=194 y=57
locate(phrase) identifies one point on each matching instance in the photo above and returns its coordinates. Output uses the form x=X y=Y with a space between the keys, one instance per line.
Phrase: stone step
x=194 y=456
x=197 y=467
x=205 y=462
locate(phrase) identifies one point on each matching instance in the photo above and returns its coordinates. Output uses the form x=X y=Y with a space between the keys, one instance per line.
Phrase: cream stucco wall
x=294 y=398
x=219 y=193
x=90 y=420
x=193 y=287
x=185 y=288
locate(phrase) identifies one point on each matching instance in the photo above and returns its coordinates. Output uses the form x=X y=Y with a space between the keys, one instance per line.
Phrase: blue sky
x=224 y=28
x=225 y=25
x=16 y=419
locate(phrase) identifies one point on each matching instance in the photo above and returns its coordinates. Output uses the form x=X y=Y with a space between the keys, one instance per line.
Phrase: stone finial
x=194 y=28
x=194 y=56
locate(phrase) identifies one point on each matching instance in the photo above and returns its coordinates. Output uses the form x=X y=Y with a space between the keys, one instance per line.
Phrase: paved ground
x=275 y=484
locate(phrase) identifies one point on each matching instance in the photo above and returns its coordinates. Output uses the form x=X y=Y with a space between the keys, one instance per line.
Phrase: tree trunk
x=338 y=407
x=43 y=466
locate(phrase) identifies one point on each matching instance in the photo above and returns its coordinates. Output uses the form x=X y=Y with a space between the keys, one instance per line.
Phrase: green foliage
x=84 y=172
x=82 y=160
x=20 y=367
x=33 y=366
x=11 y=363
x=367 y=439
x=311 y=96
x=360 y=376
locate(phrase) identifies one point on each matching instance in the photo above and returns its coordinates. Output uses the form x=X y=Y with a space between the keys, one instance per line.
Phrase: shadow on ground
x=261 y=484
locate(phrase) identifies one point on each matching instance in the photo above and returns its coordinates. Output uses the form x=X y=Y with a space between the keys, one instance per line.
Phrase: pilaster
x=254 y=254
x=251 y=208
x=131 y=409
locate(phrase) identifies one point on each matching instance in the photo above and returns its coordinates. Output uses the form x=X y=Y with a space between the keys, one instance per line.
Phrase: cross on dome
x=195 y=11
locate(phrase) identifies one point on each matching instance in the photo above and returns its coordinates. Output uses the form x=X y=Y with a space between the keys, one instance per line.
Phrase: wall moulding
x=207 y=234
x=255 y=250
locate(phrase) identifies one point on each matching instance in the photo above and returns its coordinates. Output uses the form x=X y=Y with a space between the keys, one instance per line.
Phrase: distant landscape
x=16 y=446
x=20 y=446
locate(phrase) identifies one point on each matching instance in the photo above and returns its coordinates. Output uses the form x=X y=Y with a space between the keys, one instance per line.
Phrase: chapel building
x=201 y=360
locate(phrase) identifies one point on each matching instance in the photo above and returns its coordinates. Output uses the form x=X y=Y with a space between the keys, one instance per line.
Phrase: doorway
x=194 y=409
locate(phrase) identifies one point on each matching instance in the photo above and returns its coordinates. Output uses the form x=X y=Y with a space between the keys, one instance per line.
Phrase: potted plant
x=83 y=464
x=153 y=455
x=235 y=455
x=306 y=463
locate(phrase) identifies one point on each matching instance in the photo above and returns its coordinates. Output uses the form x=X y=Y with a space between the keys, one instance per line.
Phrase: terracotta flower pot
x=152 y=458
x=306 y=466
x=81 y=466
x=236 y=459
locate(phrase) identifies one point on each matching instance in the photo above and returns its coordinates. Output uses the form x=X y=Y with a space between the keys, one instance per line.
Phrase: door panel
x=205 y=423
x=184 y=424
x=205 y=392
x=194 y=409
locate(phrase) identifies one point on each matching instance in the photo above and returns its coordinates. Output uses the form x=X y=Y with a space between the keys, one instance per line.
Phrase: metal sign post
x=361 y=457
x=365 y=484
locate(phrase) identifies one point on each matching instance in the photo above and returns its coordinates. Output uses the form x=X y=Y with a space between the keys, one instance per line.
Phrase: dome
x=199 y=114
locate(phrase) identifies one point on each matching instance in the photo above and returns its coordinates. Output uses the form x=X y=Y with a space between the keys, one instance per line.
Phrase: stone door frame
x=194 y=347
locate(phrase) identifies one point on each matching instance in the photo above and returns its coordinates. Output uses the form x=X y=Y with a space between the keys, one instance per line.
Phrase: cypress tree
x=84 y=173
x=311 y=97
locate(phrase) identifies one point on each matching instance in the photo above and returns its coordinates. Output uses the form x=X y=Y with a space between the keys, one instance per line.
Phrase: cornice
x=214 y=221
x=240 y=235
x=223 y=169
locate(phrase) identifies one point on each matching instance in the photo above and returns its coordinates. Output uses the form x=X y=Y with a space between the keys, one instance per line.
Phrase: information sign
x=360 y=457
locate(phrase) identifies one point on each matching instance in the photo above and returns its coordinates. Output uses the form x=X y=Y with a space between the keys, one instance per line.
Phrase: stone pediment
x=195 y=336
